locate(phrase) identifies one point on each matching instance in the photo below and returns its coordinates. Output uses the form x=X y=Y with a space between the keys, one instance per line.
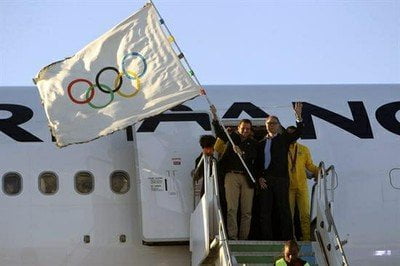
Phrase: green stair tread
x=257 y=264
x=264 y=252
x=255 y=248
x=263 y=264
x=268 y=253
x=261 y=260
x=260 y=246
x=255 y=259
x=267 y=242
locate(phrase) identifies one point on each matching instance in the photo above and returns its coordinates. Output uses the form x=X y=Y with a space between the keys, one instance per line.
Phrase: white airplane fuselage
x=354 y=127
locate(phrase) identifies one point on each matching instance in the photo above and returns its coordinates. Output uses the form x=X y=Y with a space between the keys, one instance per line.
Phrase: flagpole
x=191 y=72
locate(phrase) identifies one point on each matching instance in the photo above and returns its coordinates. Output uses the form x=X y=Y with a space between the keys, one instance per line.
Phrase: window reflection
x=84 y=182
x=48 y=183
x=12 y=183
x=120 y=182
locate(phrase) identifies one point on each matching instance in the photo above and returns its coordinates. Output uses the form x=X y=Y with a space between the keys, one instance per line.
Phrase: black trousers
x=275 y=197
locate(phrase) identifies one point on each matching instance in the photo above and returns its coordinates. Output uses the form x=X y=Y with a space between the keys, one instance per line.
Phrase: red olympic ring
x=86 y=100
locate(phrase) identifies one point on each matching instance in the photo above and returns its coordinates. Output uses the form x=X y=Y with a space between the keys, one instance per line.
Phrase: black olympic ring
x=117 y=84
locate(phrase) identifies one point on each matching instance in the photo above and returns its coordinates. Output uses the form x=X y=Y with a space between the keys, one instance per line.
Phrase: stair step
x=264 y=264
x=256 y=264
x=264 y=246
x=256 y=242
x=255 y=259
x=265 y=252
x=273 y=254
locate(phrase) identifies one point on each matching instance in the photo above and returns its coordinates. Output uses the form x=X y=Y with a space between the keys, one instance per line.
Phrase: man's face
x=291 y=254
x=208 y=151
x=244 y=129
x=272 y=125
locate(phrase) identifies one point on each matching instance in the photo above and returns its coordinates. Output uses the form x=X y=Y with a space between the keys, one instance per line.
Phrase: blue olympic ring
x=124 y=67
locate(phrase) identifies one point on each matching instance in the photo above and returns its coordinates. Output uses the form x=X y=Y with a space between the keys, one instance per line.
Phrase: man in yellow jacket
x=291 y=255
x=299 y=159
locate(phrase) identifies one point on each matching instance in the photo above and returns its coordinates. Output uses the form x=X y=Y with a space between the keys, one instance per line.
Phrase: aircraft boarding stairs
x=209 y=243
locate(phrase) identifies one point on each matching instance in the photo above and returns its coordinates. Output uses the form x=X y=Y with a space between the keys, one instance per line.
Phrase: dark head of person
x=272 y=124
x=207 y=144
x=291 y=252
x=290 y=130
x=244 y=128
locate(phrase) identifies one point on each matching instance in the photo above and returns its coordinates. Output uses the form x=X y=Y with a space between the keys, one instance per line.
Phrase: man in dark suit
x=273 y=176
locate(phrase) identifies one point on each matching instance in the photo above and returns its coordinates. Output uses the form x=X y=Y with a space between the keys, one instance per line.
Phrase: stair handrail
x=326 y=211
x=193 y=174
x=212 y=209
x=220 y=220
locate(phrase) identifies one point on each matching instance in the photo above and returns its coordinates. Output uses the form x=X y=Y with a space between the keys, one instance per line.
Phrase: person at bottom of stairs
x=291 y=255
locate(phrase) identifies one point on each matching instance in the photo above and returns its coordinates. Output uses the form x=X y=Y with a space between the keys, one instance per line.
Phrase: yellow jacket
x=303 y=161
x=220 y=146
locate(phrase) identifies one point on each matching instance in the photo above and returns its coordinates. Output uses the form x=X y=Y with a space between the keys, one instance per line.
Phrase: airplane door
x=165 y=160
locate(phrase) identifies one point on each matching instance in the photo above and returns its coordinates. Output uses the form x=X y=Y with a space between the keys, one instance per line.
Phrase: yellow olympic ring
x=136 y=76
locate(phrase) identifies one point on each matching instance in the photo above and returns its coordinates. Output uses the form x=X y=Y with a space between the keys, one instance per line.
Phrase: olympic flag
x=128 y=74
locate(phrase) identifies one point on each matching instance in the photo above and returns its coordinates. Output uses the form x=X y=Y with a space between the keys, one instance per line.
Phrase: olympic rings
x=137 y=86
x=90 y=91
x=110 y=91
x=88 y=99
x=126 y=72
x=116 y=85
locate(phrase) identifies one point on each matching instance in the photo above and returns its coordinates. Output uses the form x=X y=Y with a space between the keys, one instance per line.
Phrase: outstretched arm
x=298 y=107
x=219 y=131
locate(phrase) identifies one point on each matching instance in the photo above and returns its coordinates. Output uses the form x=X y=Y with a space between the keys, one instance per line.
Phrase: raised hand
x=298 y=107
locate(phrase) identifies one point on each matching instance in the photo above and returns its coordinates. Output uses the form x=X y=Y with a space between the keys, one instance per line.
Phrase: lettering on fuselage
x=10 y=126
x=386 y=116
x=150 y=124
x=359 y=125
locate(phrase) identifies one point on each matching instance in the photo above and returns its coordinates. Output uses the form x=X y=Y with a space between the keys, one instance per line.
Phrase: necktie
x=267 y=152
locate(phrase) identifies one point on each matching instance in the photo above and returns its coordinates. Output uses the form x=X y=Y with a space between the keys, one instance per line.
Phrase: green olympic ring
x=102 y=86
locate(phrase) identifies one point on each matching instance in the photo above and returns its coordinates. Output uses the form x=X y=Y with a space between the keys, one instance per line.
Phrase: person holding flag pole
x=238 y=163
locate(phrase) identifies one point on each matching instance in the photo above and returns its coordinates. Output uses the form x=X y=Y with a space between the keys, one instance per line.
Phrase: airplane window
x=119 y=182
x=12 y=183
x=84 y=182
x=48 y=183
x=394 y=178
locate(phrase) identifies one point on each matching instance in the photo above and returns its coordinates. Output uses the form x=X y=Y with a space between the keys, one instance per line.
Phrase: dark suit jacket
x=198 y=172
x=278 y=166
x=230 y=160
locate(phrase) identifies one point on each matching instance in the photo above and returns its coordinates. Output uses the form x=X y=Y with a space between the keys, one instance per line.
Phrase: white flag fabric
x=128 y=74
